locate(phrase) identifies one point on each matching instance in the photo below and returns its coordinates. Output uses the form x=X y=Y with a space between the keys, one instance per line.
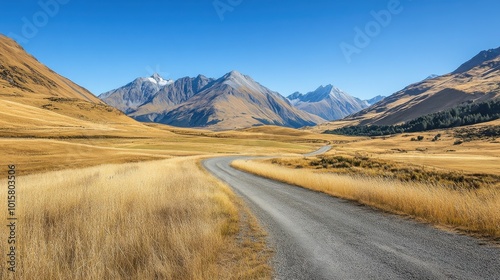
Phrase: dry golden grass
x=154 y=220
x=478 y=156
x=471 y=211
x=378 y=168
x=49 y=148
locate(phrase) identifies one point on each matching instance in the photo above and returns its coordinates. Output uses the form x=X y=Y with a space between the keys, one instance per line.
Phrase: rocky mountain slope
x=329 y=102
x=129 y=97
x=232 y=101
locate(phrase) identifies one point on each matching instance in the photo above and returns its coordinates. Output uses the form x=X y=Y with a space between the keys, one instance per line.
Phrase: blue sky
x=285 y=45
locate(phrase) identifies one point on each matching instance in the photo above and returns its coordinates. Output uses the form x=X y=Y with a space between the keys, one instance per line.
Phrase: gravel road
x=316 y=236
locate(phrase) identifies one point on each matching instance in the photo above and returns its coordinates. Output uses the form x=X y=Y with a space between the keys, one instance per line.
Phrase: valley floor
x=86 y=195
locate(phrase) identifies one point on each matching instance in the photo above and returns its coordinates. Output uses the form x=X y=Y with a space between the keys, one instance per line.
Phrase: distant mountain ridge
x=376 y=99
x=135 y=93
x=476 y=80
x=330 y=103
x=232 y=101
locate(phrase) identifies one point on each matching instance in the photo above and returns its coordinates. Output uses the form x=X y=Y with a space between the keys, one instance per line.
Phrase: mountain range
x=232 y=101
x=128 y=98
x=42 y=98
x=476 y=80
x=330 y=103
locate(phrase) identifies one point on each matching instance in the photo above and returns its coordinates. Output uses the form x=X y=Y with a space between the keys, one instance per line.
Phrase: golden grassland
x=378 y=168
x=46 y=134
x=131 y=201
x=152 y=220
x=473 y=211
x=478 y=156
x=41 y=155
x=145 y=218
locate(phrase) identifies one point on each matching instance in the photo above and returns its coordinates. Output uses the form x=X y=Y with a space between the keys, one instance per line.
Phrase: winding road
x=316 y=236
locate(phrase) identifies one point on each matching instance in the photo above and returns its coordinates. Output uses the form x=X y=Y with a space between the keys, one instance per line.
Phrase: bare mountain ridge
x=232 y=101
x=476 y=80
x=170 y=96
x=482 y=57
x=330 y=103
x=131 y=96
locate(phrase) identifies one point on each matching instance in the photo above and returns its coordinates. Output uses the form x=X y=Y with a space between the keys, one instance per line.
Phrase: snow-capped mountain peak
x=157 y=79
x=328 y=102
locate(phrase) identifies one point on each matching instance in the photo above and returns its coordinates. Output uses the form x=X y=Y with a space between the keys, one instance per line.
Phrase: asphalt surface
x=316 y=236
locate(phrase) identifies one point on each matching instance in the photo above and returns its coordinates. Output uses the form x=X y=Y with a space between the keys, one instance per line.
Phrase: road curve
x=316 y=236
x=321 y=150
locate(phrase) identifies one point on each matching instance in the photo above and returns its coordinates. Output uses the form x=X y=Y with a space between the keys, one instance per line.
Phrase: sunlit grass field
x=153 y=220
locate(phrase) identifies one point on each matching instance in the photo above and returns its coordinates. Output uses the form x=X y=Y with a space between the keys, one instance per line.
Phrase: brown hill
x=34 y=97
x=23 y=75
x=476 y=80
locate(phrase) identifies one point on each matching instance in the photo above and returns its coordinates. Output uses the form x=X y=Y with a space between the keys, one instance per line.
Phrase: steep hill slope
x=22 y=75
x=476 y=80
x=33 y=98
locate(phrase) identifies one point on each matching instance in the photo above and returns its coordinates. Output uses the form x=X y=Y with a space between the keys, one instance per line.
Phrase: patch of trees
x=466 y=114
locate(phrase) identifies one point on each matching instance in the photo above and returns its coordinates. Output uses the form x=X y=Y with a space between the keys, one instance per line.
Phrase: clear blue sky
x=285 y=45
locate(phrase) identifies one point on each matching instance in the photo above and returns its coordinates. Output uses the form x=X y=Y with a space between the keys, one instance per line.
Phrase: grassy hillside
x=479 y=81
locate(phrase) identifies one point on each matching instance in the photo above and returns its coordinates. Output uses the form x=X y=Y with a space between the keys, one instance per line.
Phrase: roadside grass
x=407 y=172
x=153 y=220
x=470 y=210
